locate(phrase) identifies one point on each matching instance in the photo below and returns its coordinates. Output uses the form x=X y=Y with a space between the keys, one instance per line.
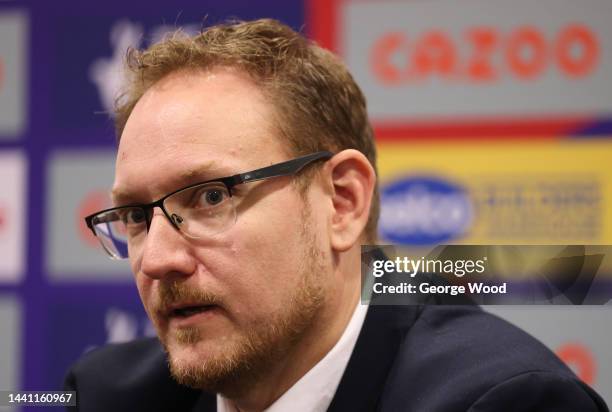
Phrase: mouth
x=191 y=314
x=184 y=312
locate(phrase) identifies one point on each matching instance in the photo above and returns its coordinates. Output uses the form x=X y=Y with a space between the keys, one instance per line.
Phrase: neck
x=323 y=333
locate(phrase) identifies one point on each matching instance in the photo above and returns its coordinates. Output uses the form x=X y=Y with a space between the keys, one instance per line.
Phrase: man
x=245 y=185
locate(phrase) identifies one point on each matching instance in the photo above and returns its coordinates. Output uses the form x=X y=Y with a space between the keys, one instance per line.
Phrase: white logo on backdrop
x=120 y=326
x=124 y=326
x=107 y=72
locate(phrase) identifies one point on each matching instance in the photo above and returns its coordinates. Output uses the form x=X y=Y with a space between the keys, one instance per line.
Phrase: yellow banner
x=519 y=192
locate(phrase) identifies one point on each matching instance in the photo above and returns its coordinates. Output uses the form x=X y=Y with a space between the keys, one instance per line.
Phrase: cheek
x=265 y=254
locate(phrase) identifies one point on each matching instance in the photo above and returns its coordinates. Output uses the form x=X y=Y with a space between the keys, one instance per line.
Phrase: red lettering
x=434 y=54
x=483 y=40
x=384 y=50
x=581 y=358
x=526 y=53
x=570 y=39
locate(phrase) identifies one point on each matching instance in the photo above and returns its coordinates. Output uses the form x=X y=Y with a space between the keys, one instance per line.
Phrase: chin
x=188 y=353
x=191 y=345
x=213 y=365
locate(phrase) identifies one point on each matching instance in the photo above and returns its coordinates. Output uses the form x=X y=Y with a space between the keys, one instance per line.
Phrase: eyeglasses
x=199 y=210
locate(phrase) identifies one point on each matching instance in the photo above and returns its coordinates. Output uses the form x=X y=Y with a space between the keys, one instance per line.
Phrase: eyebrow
x=203 y=172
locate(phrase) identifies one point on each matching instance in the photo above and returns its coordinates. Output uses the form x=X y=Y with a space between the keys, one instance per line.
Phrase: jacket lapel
x=205 y=403
x=364 y=379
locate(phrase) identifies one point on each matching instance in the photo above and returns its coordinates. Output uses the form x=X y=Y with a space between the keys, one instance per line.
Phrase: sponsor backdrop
x=494 y=126
x=493 y=123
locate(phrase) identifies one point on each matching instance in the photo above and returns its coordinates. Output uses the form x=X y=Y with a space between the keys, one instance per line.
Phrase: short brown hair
x=318 y=104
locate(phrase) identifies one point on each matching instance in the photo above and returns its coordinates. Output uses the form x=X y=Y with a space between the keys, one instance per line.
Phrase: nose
x=165 y=251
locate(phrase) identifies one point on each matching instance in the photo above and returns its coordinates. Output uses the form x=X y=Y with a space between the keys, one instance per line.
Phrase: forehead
x=190 y=122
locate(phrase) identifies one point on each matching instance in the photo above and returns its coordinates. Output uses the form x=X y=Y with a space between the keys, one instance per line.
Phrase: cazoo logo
x=482 y=54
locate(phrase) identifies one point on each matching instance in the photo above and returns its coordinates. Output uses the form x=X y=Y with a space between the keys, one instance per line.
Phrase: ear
x=353 y=180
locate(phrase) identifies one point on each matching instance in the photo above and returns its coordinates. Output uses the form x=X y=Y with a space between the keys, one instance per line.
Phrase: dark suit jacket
x=407 y=358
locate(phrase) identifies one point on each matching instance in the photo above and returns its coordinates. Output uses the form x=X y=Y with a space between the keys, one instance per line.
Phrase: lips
x=180 y=302
x=190 y=310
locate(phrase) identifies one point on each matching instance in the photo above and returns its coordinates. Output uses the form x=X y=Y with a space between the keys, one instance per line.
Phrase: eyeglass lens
x=200 y=211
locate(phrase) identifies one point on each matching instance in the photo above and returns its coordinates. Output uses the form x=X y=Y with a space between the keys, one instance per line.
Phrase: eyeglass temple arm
x=89 y=220
x=282 y=169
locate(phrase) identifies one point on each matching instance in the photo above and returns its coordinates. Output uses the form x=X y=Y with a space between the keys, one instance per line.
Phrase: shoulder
x=456 y=357
x=130 y=376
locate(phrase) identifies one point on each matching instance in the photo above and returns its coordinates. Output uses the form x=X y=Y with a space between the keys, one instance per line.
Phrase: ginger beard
x=247 y=356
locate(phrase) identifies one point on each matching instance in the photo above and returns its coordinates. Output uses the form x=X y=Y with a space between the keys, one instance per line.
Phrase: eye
x=137 y=215
x=207 y=197
x=134 y=216
x=212 y=197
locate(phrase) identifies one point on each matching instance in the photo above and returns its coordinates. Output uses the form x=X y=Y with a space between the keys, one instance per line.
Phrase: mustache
x=175 y=292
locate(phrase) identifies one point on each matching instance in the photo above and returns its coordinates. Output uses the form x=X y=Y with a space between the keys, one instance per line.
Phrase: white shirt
x=315 y=390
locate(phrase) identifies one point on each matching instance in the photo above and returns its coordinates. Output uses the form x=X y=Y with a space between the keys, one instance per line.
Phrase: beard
x=245 y=359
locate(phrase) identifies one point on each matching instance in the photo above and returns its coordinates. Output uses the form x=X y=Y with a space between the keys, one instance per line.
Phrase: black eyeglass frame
x=287 y=168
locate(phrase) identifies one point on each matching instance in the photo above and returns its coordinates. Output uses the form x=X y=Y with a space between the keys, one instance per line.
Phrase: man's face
x=227 y=305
